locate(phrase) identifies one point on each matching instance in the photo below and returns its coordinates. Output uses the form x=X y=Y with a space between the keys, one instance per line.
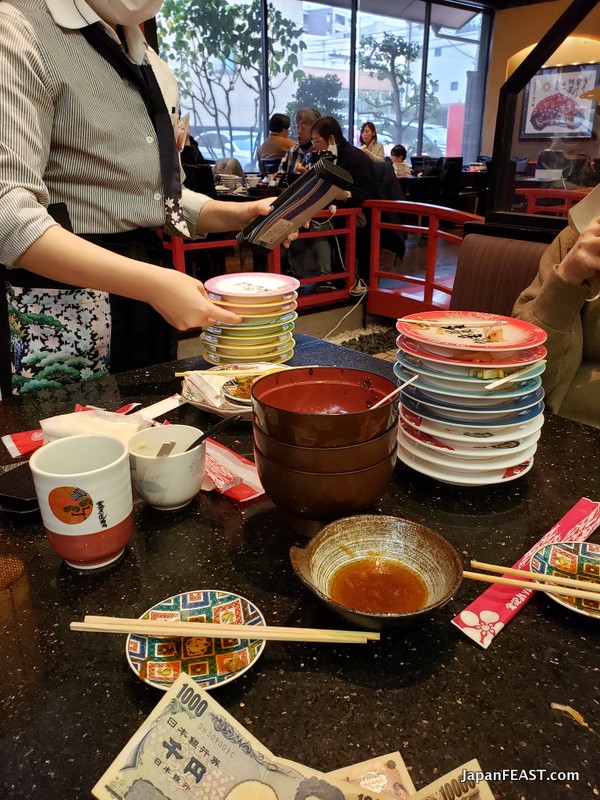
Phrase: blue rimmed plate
x=209 y=662
x=476 y=392
x=428 y=412
x=465 y=411
x=434 y=377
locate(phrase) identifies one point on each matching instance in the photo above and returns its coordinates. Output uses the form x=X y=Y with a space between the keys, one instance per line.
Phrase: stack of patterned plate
x=473 y=416
x=267 y=304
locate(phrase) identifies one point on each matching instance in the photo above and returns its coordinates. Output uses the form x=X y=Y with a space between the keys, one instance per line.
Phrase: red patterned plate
x=457 y=360
x=470 y=330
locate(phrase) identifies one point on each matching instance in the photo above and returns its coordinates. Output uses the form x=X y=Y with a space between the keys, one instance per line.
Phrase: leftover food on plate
x=239 y=389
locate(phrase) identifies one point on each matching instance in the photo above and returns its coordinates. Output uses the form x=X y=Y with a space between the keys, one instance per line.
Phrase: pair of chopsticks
x=243 y=373
x=213 y=630
x=551 y=584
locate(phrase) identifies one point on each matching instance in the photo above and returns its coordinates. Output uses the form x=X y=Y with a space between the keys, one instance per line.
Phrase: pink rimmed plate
x=250 y=287
x=452 y=330
x=460 y=361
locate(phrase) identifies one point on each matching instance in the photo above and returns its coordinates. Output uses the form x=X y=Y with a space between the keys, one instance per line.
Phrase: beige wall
x=516 y=31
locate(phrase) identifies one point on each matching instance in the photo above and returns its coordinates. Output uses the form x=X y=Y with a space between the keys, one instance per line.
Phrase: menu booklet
x=316 y=188
x=190 y=747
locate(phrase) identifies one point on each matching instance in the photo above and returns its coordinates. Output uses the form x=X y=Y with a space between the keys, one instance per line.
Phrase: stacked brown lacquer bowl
x=320 y=451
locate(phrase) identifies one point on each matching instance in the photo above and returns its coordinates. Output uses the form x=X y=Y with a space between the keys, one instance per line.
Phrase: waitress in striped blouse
x=88 y=172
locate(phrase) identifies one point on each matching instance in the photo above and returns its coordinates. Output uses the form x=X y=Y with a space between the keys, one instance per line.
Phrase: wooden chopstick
x=440 y=323
x=593 y=586
x=533 y=585
x=396 y=391
x=242 y=373
x=95 y=624
x=513 y=375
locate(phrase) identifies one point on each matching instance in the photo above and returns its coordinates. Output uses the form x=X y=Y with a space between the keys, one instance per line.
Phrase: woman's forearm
x=179 y=298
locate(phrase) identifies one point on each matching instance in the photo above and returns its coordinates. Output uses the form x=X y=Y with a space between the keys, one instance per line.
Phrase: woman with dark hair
x=329 y=142
x=369 y=143
x=327 y=138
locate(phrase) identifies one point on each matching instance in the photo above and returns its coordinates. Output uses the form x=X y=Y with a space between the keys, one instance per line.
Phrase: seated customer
x=295 y=161
x=329 y=142
x=564 y=300
x=278 y=142
x=327 y=138
x=369 y=143
x=398 y=155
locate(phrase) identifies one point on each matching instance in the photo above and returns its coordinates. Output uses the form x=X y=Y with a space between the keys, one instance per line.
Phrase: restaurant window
x=321 y=76
x=417 y=60
x=383 y=71
x=453 y=111
x=215 y=51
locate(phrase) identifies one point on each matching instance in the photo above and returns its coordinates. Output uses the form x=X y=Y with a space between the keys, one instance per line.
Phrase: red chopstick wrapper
x=485 y=617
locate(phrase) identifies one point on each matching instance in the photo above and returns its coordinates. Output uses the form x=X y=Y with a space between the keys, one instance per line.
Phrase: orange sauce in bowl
x=378 y=586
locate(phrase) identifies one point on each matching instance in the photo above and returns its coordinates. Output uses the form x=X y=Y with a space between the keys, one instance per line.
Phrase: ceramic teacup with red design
x=83 y=486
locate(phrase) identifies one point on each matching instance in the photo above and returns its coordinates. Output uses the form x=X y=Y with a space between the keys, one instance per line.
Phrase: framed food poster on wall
x=553 y=106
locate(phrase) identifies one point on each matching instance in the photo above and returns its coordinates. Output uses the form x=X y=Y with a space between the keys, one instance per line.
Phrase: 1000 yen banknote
x=190 y=747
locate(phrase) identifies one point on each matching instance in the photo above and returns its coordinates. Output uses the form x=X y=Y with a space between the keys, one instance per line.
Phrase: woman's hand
x=582 y=262
x=184 y=303
x=260 y=208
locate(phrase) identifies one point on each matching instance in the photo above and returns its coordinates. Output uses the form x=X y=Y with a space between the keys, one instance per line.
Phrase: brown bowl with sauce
x=323 y=406
x=379 y=572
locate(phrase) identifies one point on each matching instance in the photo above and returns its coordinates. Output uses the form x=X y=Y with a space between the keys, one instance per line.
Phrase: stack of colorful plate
x=267 y=304
x=473 y=416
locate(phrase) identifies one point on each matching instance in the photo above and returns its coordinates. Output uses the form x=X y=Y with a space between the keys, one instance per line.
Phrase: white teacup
x=167 y=482
x=252 y=180
x=83 y=488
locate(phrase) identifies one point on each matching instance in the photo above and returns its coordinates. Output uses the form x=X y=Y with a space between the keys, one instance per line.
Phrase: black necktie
x=144 y=80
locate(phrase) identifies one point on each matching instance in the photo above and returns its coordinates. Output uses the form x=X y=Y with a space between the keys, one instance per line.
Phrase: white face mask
x=126 y=12
x=333 y=149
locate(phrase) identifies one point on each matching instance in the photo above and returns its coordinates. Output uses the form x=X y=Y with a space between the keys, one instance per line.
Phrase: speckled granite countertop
x=70 y=701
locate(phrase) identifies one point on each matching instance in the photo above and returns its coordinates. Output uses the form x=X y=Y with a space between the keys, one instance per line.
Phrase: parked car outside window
x=216 y=144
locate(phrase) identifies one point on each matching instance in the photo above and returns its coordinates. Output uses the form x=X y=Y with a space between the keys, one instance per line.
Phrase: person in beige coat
x=564 y=300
